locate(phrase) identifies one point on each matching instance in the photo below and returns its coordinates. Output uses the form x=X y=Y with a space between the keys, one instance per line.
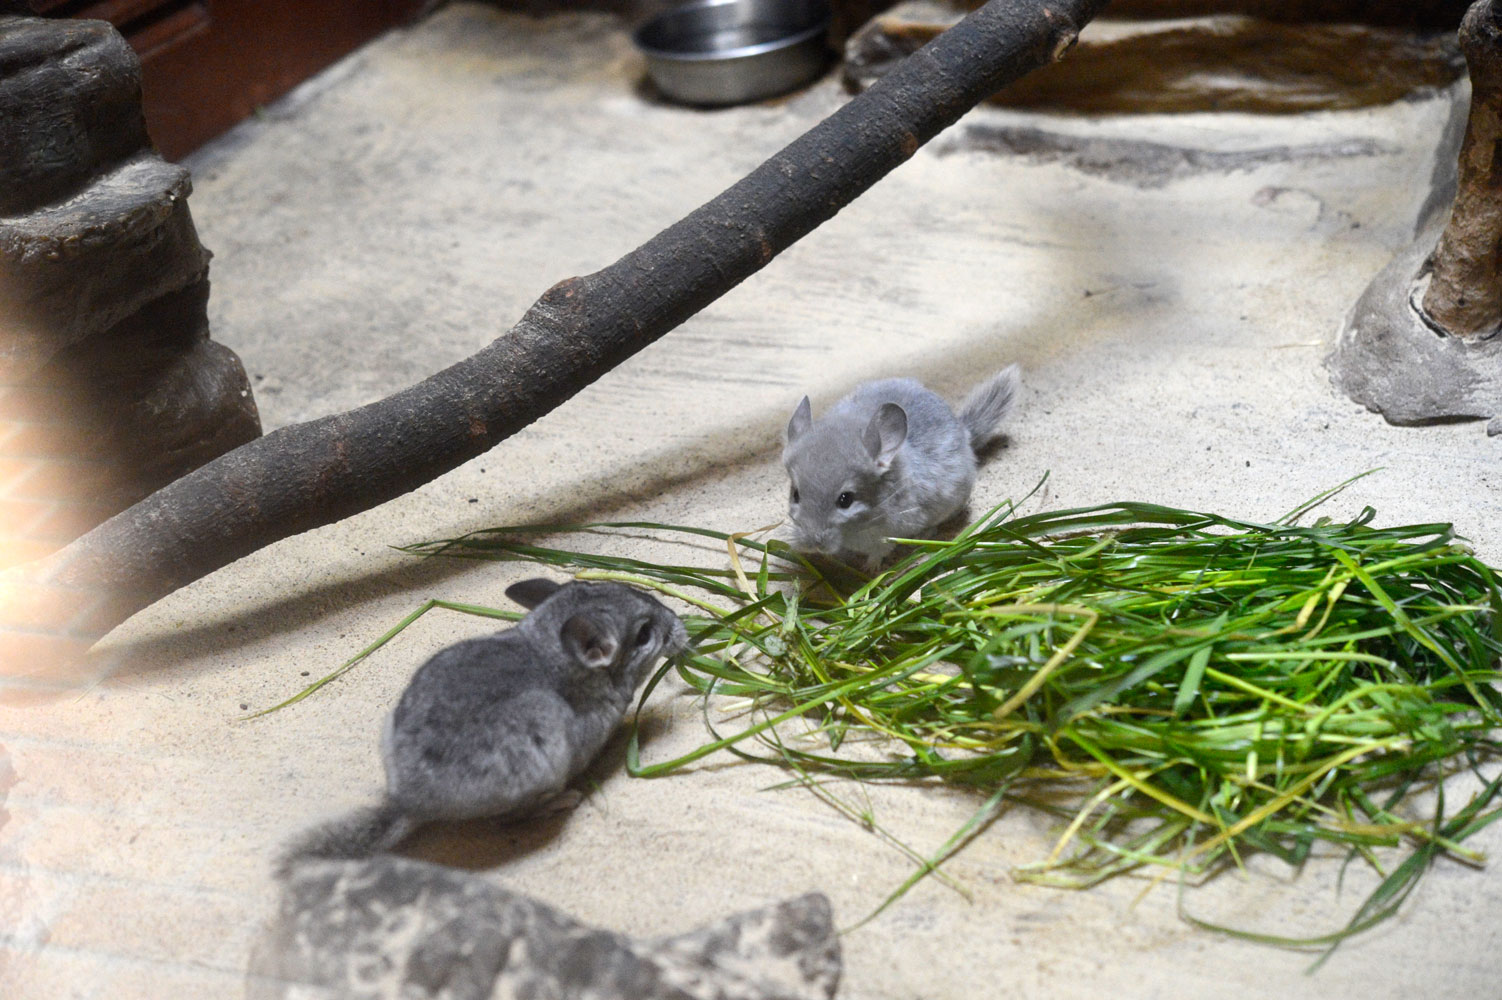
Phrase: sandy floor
x=406 y=207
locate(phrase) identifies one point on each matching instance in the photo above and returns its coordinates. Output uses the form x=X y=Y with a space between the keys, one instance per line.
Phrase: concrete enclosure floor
x=1170 y=312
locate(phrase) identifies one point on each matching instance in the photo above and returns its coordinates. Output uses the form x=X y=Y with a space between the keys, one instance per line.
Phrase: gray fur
x=360 y=834
x=904 y=457
x=498 y=726
x=988 y=405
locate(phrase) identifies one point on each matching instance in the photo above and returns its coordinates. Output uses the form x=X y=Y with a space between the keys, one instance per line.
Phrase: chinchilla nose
x=820 y=541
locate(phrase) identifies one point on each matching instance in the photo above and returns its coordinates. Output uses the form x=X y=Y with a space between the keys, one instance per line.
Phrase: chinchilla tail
x=988 y=405
x=361 y=834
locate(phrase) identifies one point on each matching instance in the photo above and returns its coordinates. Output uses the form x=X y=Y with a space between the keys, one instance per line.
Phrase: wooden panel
x=206 y=64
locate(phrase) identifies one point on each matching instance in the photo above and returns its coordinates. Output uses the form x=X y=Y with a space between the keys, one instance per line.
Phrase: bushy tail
x=361 y=834
x=988 y=404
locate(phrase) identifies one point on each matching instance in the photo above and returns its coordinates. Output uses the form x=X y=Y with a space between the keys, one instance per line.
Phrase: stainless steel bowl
x=733 y=51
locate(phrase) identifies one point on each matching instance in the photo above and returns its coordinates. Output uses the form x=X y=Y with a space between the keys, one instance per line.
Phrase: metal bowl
x=733 y=51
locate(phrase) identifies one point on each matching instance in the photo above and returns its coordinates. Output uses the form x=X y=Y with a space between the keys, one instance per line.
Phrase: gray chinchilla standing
x=498 y=726
x=890 y=460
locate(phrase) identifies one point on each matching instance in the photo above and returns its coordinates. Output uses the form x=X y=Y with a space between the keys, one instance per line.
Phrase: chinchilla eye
x=644 y=635
x=794 y=496
x=844 y=500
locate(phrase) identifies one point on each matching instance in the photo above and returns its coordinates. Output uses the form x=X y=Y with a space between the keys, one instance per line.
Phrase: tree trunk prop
x=1465 y=285
x=110 y=387
x=300 y=477
x=1422 y=342
x=394 y=927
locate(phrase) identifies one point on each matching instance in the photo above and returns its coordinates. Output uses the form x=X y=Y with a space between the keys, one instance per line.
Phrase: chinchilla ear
x=530 y=593
x=589 y=642
x=803 y=417
x=885 y=434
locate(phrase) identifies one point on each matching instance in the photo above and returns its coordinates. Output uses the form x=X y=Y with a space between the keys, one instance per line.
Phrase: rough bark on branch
x=300 y=477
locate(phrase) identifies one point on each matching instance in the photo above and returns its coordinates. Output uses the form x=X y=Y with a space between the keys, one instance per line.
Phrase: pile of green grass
x=1191 y=686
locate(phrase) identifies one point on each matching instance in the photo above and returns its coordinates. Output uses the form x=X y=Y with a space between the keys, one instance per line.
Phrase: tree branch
x=300 y=477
